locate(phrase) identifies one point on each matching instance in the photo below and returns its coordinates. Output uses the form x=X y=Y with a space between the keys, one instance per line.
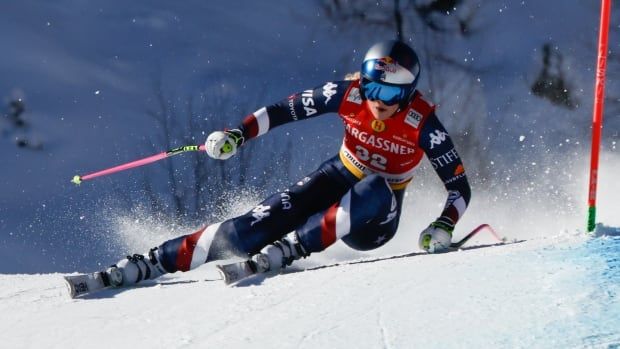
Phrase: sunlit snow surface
x=591 y=277
x=554 y=292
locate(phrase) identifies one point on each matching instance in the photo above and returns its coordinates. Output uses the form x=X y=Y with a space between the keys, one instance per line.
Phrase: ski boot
x=134 y=269
x=279 y=254
x=125 y=273
x=272 y=258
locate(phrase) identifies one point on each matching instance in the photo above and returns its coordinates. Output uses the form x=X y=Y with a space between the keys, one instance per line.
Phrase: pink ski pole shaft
x=474 y=232
x=77 y=179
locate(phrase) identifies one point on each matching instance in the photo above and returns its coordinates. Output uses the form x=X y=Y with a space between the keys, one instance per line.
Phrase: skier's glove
x=223 y=144
x=436 y=238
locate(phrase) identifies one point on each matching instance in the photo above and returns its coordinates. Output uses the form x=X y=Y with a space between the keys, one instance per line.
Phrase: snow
x=546 y=293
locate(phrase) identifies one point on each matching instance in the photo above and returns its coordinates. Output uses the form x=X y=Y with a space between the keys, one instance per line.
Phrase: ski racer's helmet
x=390 y=73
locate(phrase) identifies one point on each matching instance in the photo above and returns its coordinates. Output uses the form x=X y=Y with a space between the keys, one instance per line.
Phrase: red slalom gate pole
x=597 y=117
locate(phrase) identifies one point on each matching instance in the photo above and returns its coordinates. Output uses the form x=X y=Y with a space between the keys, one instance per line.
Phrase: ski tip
x=70 y=287
x=80 y=285
x=226 y=275
x=234 y=272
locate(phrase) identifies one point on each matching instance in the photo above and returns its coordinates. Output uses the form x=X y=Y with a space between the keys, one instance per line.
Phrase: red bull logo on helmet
x=388 y=70
x=387 y=64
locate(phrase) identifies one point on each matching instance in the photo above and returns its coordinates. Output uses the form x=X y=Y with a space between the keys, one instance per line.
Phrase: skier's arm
x=439 y=149
x=307 y=104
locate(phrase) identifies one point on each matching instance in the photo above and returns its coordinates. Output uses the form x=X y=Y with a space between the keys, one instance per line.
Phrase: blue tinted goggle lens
x=387 y=94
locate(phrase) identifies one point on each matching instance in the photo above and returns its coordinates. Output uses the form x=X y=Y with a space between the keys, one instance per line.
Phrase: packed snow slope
x=555 y=292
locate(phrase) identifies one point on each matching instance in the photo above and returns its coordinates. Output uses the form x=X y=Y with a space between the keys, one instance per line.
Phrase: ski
x=82 y=284
x=235 y=272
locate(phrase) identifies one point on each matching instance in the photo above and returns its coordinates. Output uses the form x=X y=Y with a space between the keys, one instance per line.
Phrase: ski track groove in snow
x=381 y=324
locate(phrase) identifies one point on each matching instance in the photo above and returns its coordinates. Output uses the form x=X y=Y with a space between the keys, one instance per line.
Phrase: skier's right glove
x=222 y=145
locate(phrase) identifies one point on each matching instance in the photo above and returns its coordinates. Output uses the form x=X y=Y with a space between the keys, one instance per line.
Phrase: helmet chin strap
x=402 y=105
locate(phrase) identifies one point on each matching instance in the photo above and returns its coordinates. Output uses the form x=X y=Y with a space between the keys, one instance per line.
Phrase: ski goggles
x=388 y=94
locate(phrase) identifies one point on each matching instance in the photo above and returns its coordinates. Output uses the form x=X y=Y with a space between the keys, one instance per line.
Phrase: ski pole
x=474 y=232
x=77 y=179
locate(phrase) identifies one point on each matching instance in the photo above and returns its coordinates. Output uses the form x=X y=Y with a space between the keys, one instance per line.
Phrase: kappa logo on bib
x=378 y=125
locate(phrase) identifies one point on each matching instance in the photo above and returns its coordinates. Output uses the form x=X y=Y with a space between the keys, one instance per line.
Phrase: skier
x=356 y=196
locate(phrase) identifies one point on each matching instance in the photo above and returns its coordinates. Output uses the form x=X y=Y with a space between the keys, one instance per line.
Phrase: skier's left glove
x=436 y=238
x=222 y=145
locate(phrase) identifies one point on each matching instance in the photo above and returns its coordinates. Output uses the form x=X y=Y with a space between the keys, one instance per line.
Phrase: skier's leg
x=379 y=230
x=266 y=241
x=241 y=236
x=182 y=253
x=285 y=211
x=365 y=218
